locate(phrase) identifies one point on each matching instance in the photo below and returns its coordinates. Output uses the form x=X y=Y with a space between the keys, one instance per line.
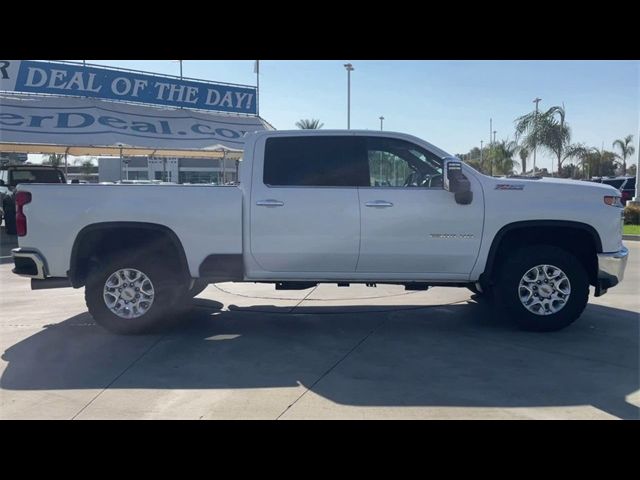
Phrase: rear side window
x=36 y=176
x=323 y=161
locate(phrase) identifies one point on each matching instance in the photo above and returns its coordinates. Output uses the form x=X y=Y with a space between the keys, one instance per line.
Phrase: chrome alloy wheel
x=128 y=293
x=544 y=290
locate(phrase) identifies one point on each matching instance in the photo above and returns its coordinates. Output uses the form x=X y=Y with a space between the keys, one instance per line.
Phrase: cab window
x=398 y=163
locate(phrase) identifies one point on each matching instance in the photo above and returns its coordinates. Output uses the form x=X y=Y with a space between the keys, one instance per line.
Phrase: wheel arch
x=107 y=237
x=550 y=232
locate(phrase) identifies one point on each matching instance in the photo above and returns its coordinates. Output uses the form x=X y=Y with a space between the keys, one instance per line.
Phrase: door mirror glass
x=453 y=171
x=457 y=183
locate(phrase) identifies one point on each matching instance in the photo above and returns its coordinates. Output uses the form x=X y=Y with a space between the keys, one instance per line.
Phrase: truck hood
x=550 y=183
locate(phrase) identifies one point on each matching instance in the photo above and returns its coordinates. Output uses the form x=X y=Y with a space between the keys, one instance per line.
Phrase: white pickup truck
x=327 y=207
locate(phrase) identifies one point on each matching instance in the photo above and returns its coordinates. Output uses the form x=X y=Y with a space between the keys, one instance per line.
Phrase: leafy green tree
x=307 y=124
x=598 y=163
x=626 y=150
x=53 y=159
x=86 y=167
x=474 y=158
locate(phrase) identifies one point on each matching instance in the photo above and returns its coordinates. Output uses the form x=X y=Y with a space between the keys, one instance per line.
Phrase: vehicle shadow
x=448 y=355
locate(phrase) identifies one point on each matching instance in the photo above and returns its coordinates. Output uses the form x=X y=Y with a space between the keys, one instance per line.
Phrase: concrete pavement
x=248 y=351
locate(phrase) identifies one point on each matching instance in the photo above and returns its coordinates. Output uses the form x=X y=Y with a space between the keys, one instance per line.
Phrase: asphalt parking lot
x=248 y=351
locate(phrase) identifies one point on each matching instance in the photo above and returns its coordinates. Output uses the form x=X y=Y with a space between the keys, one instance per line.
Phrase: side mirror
x=1 y=183
x=456 y=182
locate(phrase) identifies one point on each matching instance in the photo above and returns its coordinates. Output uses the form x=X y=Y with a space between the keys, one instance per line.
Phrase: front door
x=410 y=224
x=305 y=215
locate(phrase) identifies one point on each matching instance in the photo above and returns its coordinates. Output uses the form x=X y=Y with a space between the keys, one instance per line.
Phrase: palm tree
x=575 y=150
x=501 y=156
x=312 y=124
x=557 y=138
x=523 y=153
x=548 y=130
x=626 y=150
x=530 y=128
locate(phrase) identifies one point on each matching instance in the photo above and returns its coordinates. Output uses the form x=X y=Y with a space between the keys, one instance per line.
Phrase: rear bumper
x=611 y=268
x=28 y=264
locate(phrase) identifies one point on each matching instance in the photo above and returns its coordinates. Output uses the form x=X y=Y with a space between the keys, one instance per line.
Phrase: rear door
x=304 y=208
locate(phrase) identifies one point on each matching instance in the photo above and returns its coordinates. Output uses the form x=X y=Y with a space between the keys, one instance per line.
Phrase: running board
x=51 y=282
x=416 y=286
x=295 y=285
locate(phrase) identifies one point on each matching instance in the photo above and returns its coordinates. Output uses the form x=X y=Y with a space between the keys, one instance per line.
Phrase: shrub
x=632 y=215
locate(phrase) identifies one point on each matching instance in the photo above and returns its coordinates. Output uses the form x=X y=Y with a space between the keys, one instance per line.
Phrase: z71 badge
x=510 y=186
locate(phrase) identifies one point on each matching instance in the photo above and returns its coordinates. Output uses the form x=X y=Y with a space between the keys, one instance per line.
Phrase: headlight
x=613 y=201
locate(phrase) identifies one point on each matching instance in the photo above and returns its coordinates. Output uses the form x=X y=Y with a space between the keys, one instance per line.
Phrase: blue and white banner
x=90 y=122
x=124 y=85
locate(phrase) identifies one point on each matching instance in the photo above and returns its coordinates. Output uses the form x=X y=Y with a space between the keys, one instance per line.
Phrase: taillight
x=22 y=198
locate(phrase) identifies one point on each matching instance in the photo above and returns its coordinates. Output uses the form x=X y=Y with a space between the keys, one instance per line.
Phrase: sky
x=447 y=103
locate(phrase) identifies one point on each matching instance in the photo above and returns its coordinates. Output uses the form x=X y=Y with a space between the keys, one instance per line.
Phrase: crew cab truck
x=327 y=207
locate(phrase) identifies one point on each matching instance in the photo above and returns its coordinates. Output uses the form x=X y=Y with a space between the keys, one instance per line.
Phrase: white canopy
x=86 y=126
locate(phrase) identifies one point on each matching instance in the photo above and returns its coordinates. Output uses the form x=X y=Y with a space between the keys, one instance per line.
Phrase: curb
x=635 y=238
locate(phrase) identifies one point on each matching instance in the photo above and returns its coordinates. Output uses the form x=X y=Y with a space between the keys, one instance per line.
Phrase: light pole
x=490 y=129
x=492 y=144
x=480 y=154
x=350 y=69
x=381 y=120
x=120 y=145
x=535 y=134
x=636 y=200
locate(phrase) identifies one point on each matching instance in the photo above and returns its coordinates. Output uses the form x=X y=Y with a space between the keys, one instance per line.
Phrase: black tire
x=486 y=294
x=166 y=287
x=186 y=299
x=197 y=289
x=506 y=287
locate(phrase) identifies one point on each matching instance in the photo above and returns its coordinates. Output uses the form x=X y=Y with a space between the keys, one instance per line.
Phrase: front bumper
x=611 y=269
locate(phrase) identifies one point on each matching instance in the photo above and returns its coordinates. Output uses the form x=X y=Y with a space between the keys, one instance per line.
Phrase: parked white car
x=327 y=207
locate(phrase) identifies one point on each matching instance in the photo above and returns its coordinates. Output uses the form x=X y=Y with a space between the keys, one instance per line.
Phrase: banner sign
x=90 y=122
x=129 y=86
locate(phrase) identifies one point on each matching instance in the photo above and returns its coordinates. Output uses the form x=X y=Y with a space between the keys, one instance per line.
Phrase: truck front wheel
x=542 y=288
x=131 y=296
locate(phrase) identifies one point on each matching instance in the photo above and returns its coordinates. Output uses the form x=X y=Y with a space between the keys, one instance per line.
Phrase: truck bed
x=206 y=218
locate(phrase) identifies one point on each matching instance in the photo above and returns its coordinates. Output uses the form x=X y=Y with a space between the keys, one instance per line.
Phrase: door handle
x=379 y=204
x=269 y=203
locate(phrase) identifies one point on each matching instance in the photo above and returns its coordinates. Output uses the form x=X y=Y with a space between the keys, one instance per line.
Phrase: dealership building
x=216 y=171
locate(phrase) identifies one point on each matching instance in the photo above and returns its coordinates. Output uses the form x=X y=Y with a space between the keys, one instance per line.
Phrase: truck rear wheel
x=542 y=288
x=131 y=296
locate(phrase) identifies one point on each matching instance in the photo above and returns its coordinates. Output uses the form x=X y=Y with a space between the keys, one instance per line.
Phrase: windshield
x=36 y=176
